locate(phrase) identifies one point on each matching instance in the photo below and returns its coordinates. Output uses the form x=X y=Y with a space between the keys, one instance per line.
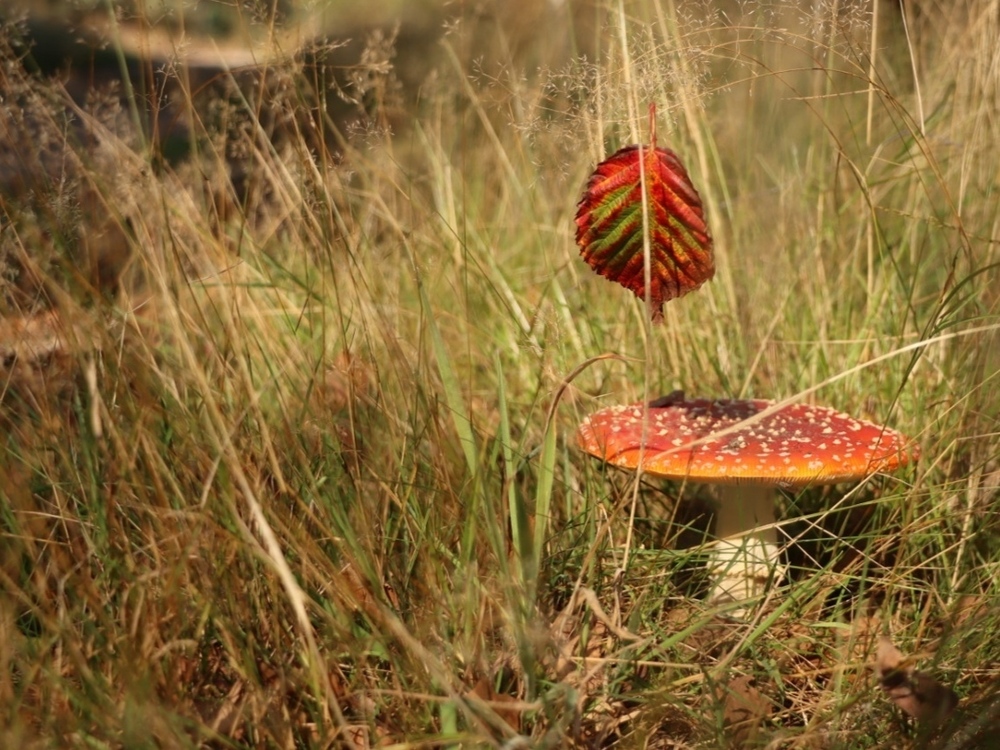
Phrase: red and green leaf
x=609 y=224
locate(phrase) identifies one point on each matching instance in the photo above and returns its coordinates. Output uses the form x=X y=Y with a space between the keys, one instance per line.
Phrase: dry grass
x=277 y=465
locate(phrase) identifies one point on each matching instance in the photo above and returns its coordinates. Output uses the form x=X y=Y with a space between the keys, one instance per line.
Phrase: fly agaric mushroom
x=749 y=448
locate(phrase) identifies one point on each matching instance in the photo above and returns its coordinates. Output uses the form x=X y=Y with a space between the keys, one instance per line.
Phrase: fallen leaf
x=357 y=735
x=348 y=379
x=483 y=690
x=744 y=710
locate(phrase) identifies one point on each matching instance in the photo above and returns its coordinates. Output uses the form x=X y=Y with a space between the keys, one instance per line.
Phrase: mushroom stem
x=745 y=555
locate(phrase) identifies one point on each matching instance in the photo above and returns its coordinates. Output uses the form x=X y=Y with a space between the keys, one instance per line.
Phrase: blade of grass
x=519 y=526
x=449 y=381
x=543 y=503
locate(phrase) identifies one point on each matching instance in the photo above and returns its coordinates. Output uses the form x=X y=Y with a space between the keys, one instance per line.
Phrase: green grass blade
x=519 y=526
x=543 y=500
x=452 y=392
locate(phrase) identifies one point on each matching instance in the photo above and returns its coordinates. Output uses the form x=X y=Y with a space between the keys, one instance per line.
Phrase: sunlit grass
x=324 y=487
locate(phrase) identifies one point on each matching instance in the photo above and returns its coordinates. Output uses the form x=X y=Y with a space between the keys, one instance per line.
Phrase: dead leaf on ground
x=357 y=735
x=918 y=694
x=744 y=710
x=348 y=379
x=483 y=690
x=708 y=641
x=347 y=386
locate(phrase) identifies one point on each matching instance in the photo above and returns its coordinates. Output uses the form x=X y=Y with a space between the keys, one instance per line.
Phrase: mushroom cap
x=794 y=446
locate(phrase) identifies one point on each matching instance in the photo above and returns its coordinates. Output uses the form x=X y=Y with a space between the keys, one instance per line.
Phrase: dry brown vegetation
x=287 y=450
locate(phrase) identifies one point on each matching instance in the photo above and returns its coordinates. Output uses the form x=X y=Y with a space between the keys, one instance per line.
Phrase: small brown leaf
x=483 y=690
x=744 y=710
x=347 y=380
x=357 y=734
x=917 y=694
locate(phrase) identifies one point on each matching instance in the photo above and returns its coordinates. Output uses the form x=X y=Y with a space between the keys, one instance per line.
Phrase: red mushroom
x=749 y=447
